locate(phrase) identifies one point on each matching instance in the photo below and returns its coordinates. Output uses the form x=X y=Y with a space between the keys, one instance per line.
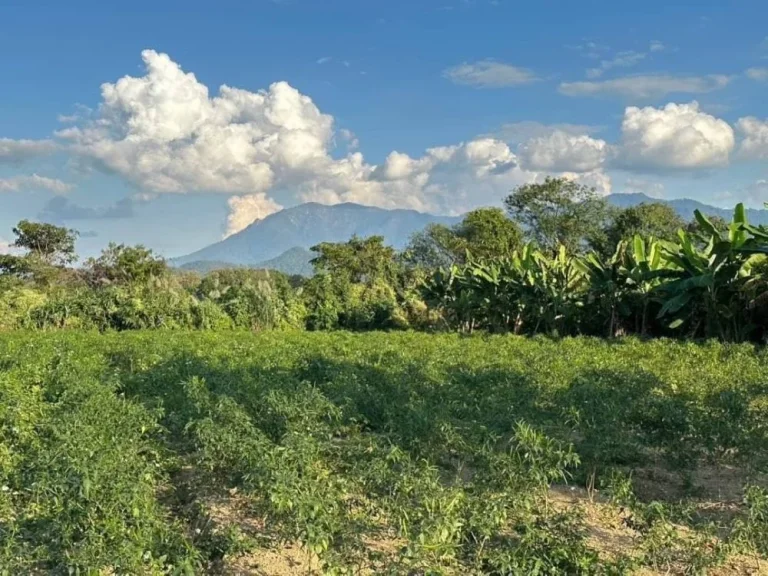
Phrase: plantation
x=193 y=452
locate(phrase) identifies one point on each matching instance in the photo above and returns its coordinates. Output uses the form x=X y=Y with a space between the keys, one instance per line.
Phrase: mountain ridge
x=282 y=239
x=306 y=225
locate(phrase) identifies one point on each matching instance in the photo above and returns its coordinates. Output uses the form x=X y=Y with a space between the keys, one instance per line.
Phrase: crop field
x=336 y=453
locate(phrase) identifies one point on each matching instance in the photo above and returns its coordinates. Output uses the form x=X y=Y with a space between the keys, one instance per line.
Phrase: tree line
x=558 y=260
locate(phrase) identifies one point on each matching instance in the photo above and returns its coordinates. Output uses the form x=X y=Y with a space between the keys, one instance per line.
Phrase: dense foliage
x=562 y=262
x=191 y=452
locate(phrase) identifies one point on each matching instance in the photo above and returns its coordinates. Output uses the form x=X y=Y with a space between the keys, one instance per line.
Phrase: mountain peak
x=305 y=225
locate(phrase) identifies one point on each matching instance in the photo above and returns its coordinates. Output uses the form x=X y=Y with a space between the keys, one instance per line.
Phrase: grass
x=283 y=453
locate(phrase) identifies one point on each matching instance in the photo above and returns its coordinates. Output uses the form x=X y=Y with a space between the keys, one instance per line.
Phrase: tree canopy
x=485 y=233
x=559 y=212
x=51 y=244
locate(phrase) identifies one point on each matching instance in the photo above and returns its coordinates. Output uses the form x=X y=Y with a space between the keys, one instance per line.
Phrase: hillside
x=686 y=206
x=306 y=225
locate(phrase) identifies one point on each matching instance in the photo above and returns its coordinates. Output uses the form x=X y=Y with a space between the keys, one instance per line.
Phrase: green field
x=294 y=453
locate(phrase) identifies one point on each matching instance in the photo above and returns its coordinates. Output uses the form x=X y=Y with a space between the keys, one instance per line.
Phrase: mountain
x=685 y=207
x=306 y=225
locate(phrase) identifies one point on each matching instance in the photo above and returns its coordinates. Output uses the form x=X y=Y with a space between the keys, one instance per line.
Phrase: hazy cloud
x=33 y=182
x=60 y=209
x=646 y=86
x=17 y=151
x=489 y=74
x=758 y=74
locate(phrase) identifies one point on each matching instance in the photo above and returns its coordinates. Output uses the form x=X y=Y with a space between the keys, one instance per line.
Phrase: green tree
x=648 y=220
x=359 y=260
x=121 y=264
x=485 y=233
x=489 y=233
x=435 y=246
x=53 y=245
x=559 y=211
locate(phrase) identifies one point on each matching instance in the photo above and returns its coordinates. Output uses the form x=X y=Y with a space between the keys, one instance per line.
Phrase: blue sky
x=435 y=105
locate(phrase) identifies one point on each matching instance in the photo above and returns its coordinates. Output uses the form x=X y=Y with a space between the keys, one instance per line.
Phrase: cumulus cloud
x=59 y=209
x=245 y=210
x=33 y=182
x=17 y=151
x=596 y=179
x=754 y=133
x=489 y=74
x=646 y=86
x=563 y=152
x=165 y=133
x=677 y=136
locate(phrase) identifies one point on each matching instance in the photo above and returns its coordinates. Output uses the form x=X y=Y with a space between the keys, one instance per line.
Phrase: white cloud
x=646 y=86
x=489 y=74
x=677 y=136
x=15 y=151
x=596 y=179
x=563 y=152
x=33 y=182
x=758 y=74
x=657 y=46
x=349 y=138
x=324 y=60
x=164 y=133
x=245 y=210
x=754 y=143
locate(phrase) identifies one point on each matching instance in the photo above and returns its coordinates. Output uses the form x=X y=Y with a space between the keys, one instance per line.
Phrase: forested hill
x=685 y=207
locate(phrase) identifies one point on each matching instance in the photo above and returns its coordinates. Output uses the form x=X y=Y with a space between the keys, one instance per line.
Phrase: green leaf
x=704 y=223
x=739 y=214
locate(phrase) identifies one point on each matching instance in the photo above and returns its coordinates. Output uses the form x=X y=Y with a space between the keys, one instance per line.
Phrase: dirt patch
x=611 y=537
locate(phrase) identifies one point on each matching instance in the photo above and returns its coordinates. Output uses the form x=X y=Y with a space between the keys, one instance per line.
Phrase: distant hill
x=292 y=262
x=306 y=225
x=685 y=207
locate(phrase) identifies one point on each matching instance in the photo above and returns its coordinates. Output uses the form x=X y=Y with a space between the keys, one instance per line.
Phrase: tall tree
x=47 y=243
x=359 y=260
x=559 y=211
x=121 y=264
x=488 y=233
x=485 y=233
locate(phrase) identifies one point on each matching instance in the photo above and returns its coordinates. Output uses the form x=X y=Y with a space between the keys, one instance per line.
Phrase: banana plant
x=642 y=265
x=607 y=281
x=559 y=285
x=703 y=287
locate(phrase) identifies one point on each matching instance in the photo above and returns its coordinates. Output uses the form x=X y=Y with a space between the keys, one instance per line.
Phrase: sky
x=174 y=124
